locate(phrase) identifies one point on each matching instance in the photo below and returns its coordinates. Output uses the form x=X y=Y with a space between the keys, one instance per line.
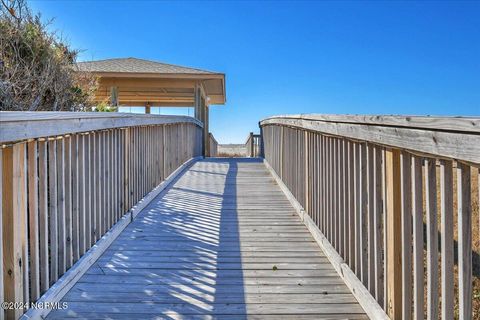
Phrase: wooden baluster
x=101 y=185
x=432 y=238
x=446 y=208
x=334 y=193
x=357 y=233
x=351 y=206
x=75 y=196
x=328 y=222
x=81 y=195
x=88 y=192
x=68 y=201
x=363 y=197
x=417 y=212
x=394 y=243
x=126 y=179
x=109 y=180
x=464 y=241
x=93 y=188
x=33 y=220
x=53 y=210
x=318 y=177
x=385 y=229
x=107 y=191
x=116 y=167
x=43 y=214
x=307 y=171
x=370 y=220
x=61 y=230
x=377 y=220
x=14 y=211
x=406 y=222
x=341 y=208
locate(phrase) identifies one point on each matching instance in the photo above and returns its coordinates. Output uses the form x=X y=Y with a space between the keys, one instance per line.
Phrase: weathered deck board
x=222 y=242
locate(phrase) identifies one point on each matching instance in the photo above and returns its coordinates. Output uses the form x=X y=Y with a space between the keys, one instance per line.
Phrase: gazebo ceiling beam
x=140 y=103
x=148 y=83
x=146 y=95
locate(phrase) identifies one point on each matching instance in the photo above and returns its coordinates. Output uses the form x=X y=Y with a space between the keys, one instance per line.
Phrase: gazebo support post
x=114 y=96
x=201 y=113
x=206 y=135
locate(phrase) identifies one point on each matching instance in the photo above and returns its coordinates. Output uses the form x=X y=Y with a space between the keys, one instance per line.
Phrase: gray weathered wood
x=378 y=213
x=463 y=143
x=33 y=223
x=43 y=214
x=432 y=238
x=468 y=124
x=75 y=196
x=368 y=303
x=204 y=245
x=53 y=211
x=70 y=278
x=417 y=213
x=406 y=182
x=81 y=194
x=61 y=227
x=446 y=211
x=68 y=202
x=464 y=241
x=45 y=124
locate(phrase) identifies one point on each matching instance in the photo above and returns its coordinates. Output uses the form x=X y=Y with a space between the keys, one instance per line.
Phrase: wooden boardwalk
x=223 y=242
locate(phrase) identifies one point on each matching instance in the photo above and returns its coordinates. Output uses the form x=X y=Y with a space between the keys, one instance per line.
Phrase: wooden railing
x=253 y=145
x=378 y=191
x=213 y=146
x=67 y=178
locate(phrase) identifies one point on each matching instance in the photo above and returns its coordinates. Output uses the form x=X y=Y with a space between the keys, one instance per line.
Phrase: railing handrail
x=447 y=137
x=17 y=126
x=253 y=135
x=212 y=137
x=470 y=124
x=213 y=145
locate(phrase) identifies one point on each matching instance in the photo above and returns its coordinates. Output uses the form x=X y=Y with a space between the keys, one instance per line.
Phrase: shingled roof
x=134 y=65
x=140 y=81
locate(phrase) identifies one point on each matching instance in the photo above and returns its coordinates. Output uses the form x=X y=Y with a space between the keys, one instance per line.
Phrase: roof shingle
x=134 y=65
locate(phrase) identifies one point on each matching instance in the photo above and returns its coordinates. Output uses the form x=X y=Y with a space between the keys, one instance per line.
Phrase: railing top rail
x=251 y=136
x=212 y=137
x=16 y=126
x=443 y=137
x=437 y=123
x=248 y=138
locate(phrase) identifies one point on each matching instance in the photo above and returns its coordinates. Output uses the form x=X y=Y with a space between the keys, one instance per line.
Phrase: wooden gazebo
x=138 y=82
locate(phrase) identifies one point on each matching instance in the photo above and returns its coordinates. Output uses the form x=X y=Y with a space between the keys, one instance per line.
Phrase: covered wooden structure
x=138 y=82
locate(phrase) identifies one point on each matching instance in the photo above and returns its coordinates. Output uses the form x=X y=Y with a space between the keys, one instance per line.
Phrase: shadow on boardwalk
x=221 y=242
x=181 y=256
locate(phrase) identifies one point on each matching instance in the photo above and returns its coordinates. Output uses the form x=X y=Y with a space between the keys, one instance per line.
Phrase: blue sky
x=296 y=57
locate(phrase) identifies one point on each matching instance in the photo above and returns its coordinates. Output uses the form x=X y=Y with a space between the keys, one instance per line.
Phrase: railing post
x=126 y=179
x=14 y=208
x=280 y=158
x=251 y=144
x=307 y=178
x=393 y=229
x=260 y=142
